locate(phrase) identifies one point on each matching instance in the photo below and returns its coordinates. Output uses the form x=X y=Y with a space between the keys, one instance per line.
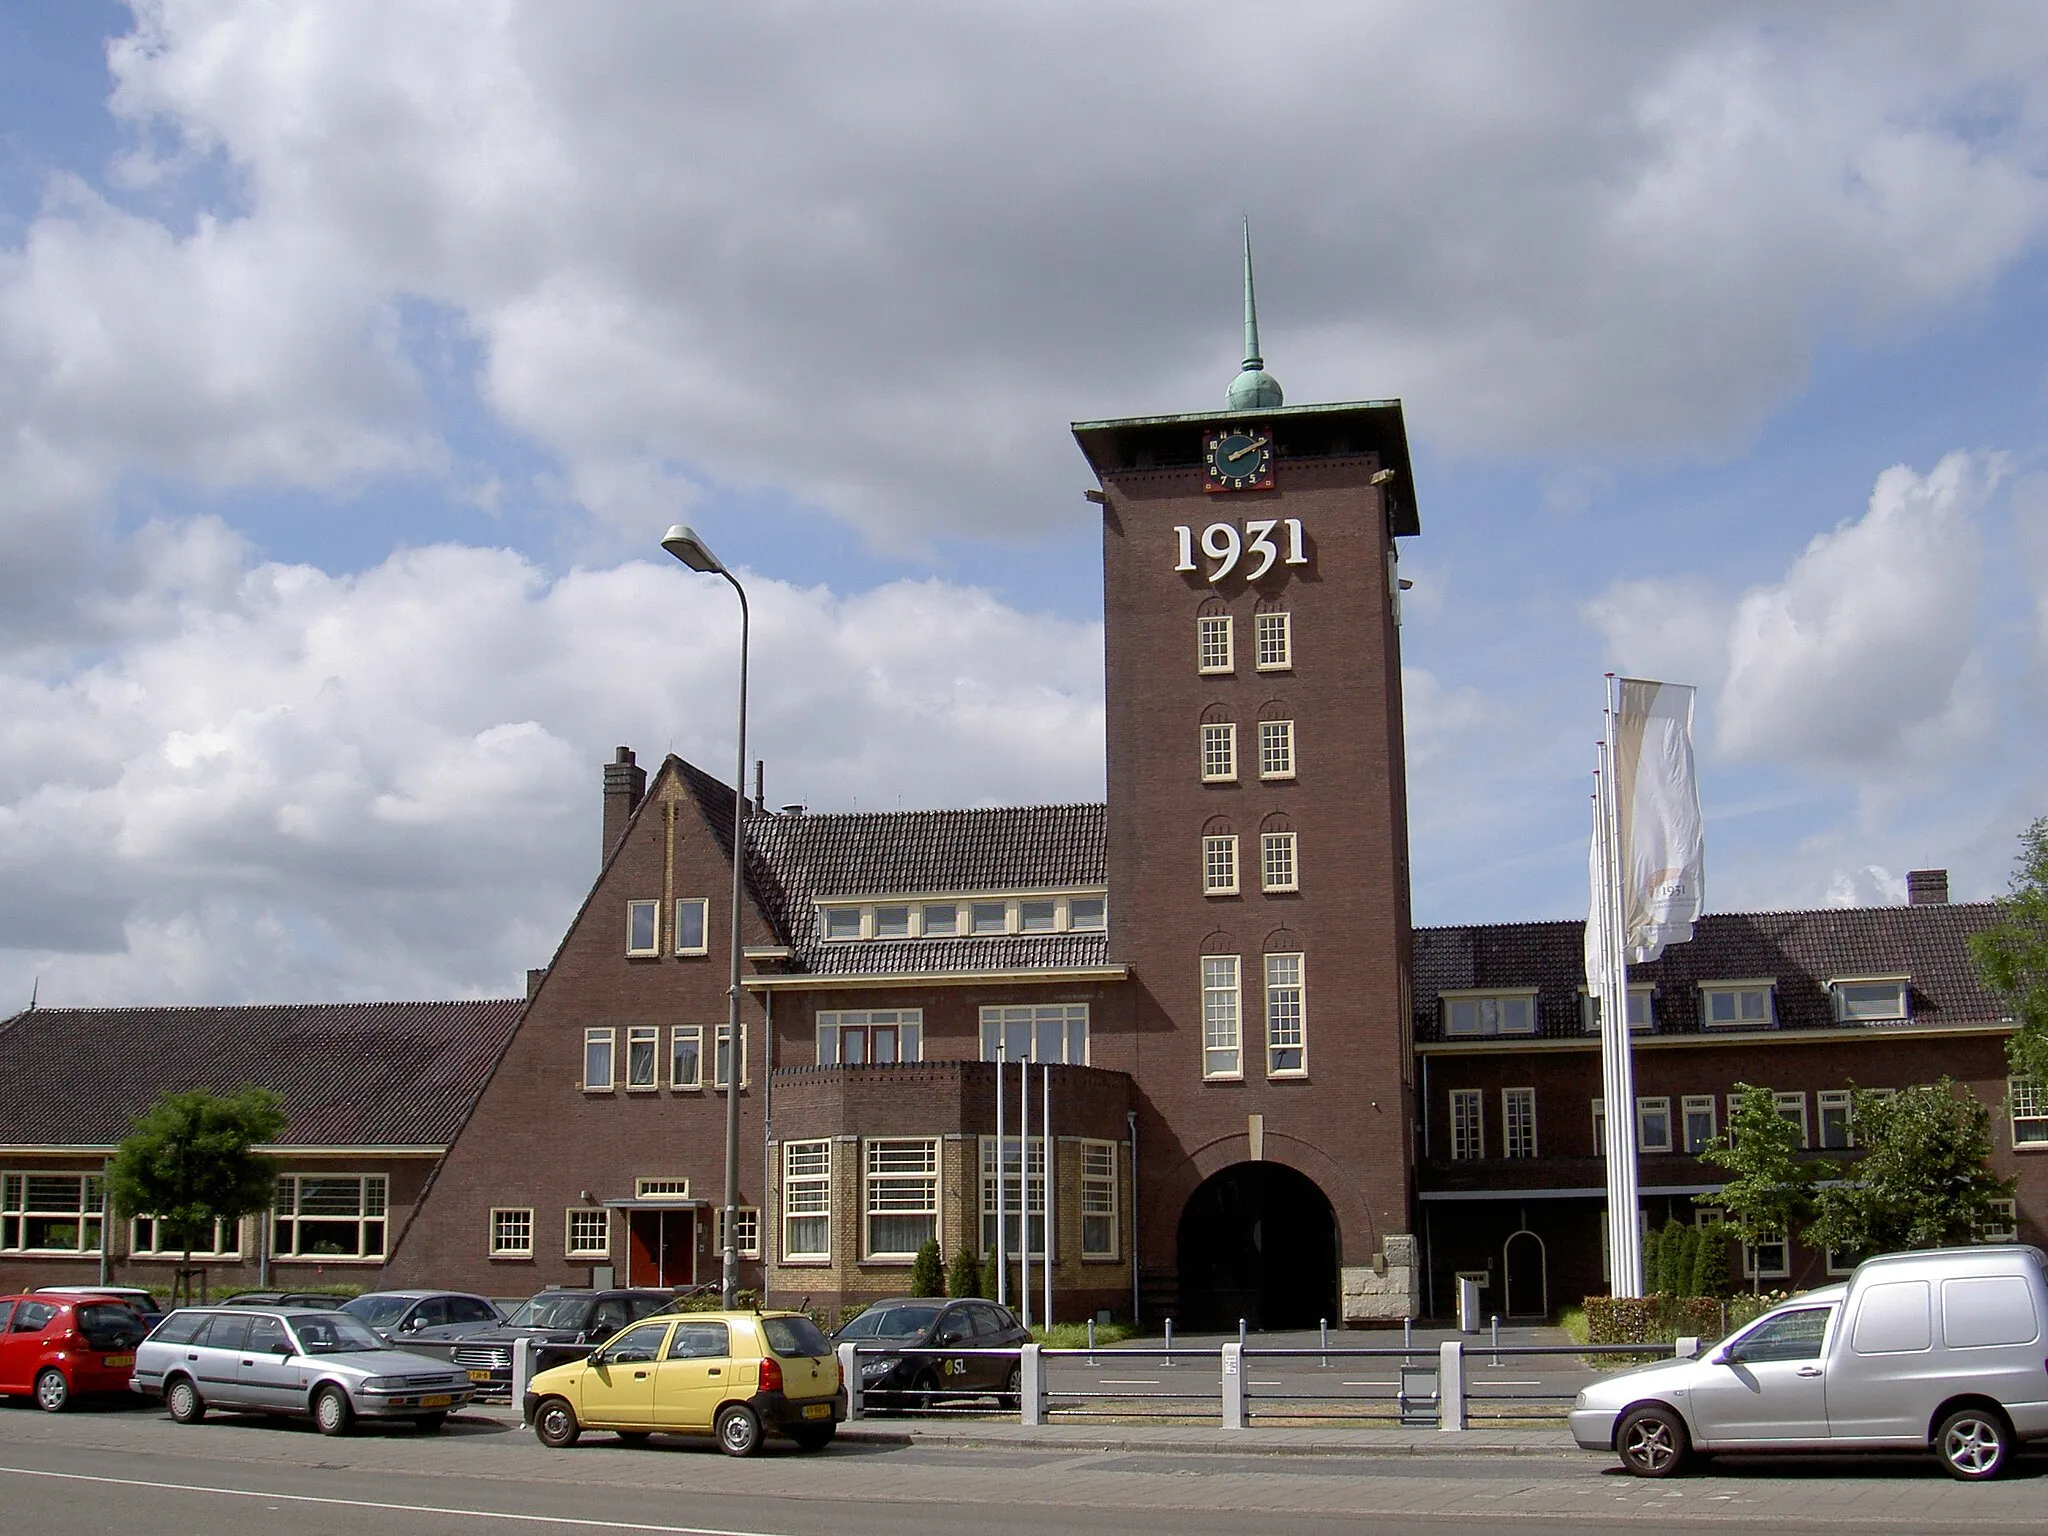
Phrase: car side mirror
x=284 y=1350
x=1727 y=1354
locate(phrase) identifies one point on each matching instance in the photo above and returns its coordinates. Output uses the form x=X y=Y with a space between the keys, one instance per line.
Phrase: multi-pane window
x=657 y=1187
x=686 y=1056
x=1793 y=1107
x=1275 y=641
x=1219 y=866
x=806 y=1200
x=587 y=1233
x=1037 y=1032
x=1767 y=1260
x=1700 y=1129
x=746 y=1231
x=1518 y=1122
x=2028 y=1107
x=1219 y=752
x=902 y=1196
x=330 y=1215
x=154 y=1237
x=1638 y=1009
x=643 y=927
x=1736 y=1005
x=1277 y=871
x=692 y=925
x=1222 y=1031
x=1214 y=648
x=1877 y=999
x=1015 y=1191
x=1489 y=1013
x=1286 y=1018
x=721 y=1062
x=848 y=921
x=1099 y=1228
x=1836 y=1109
x=52 y=1212
x=2003 y=1226
x=512 y=1232
x=598 y=1048
x=1653 y=1125
x=1276 y=749
x=870 y=1036
x=1468 y=1123
x=1600 y=1128
x=643 y=1057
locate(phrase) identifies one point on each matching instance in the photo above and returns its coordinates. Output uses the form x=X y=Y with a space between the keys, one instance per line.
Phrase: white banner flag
x=1657 y=810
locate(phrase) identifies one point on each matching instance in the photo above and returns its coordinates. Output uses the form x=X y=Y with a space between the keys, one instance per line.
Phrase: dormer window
x=1869 y=999
x=1639 y=1008
x=1738 y=1004
x=1490 y=1013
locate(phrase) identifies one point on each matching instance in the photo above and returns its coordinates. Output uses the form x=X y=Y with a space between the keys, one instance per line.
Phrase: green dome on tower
x=1254 y=389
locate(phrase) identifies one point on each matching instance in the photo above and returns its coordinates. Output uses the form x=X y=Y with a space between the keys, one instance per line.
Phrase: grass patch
x=1075 y=1335
x=1573 y=1321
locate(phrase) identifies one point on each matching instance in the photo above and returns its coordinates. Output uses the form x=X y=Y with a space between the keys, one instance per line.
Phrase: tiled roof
x=351 y=1074
x=1801 y=951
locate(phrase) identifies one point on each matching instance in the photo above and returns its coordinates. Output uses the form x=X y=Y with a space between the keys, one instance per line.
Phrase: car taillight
x=771 y=1375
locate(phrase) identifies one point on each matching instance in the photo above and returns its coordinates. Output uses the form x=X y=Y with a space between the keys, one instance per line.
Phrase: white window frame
x=1790 y=1100
x=1693 y=1104
x=646 y=1039
x=1219 y=752
x=720 y=1035
x=807 y=1198
x=661 y=1187
x=1753 y=1266
x=583 y=1245
x=748 y=1219
x=891 y=920
x=1273 y=640
x=1483 y=1025
x=1765 y=985
x=1639 y=1018
x=609 y=1039
x=1219 y=865
x=1286 y=990
x=1279 y=862
x=929 y=926
x=1019 y=1188
x=1518 y=1122
x=1005 y=1021
x=373 y=1210
x=1468 y=1124
x=833 y=925
x=1600 y=1133
x=1276 y=750
x=2026 y=1106
x=2007 y=1231
x=143 y=1232
x=1100 y=1202
x=1842 y=1099
x=1071 y=923
x=887 y=1191
x=678 y=1034
x=834 y=1023
x=1646 y=1106
x=639 y=914
x=511 y=1231
x=1840 y=989
x=1222 y=979
x=1215 y=645
x=703 y=906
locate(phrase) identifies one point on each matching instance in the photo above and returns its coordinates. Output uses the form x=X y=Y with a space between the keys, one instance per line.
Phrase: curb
x=1224 y=1442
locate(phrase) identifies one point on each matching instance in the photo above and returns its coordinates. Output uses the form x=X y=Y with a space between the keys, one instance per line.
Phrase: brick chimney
x=1926 y=887
x=625 y=782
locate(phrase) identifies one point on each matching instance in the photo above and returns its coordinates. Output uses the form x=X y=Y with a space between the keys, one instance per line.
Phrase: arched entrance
x=1258 y=1241
x=1525 y=1278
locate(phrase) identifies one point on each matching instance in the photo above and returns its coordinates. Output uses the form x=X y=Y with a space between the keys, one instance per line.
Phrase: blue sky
x=353 y=358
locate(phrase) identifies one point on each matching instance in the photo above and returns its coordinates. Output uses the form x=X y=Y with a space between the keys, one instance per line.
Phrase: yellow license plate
x=817 y=1410
x=120 y=1359
x=479 y=1375
x=441 y=1401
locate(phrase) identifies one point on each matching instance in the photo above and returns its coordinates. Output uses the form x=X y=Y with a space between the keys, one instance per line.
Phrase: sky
x=355 y=355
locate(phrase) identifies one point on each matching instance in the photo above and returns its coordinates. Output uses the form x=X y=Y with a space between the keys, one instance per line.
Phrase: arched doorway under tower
x=1258 y=1241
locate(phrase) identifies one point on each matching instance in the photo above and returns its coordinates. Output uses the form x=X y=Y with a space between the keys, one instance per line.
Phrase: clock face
x=1238 y=459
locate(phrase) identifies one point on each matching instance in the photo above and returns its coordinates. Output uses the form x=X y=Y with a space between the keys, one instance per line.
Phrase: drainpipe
x=1131 y=1120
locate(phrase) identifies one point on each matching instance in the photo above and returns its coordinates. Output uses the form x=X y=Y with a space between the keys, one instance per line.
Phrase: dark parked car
x=319 y=1299
x=425 y=1317
x=141 y=1300
x=56 y=1346
x=556 y=1316
x=921 y=1380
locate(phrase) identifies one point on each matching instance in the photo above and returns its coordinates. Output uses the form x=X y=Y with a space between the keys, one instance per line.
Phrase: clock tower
x=1258 y=848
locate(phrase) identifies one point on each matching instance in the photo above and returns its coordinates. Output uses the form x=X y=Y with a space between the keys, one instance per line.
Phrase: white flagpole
x=1002 y=1183
x=1051 y=1180
x=1024 y=1189
x=1624 y=1229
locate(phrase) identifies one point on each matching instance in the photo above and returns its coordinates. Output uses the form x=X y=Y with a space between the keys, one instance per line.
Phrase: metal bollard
x=1450 y=1385
x=1091 y=1341
x=1169 y=1341
x=1496 y=1342
x=1407 y=1333
x=1233 y=1386
x=849 y=1378
x=1240 y=1333
x=1030 y=1385
x=1325 y=1331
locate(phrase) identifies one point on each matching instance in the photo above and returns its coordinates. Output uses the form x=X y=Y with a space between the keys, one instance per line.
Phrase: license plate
x=479 y=1375
x=817 y=1410
x=120 y=1360
x=441 y=1401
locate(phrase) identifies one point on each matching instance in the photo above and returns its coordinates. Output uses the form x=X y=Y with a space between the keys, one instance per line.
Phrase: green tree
x=963 y=1276
x=1771 y=1192
x=1921 y=1181
x=190 y=1161
x=2012 y=957
x=928 y=1271
x=1710 y=1261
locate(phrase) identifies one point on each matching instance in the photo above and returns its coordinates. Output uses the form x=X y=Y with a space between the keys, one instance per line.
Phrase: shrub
x=1650 y=1319
x=928 y=1272
x=1710 y=1262
x=963 y=1277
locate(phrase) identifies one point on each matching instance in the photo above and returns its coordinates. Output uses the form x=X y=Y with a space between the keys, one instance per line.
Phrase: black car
x=557 y=1315
x=920 y=1323
x=326 y=1300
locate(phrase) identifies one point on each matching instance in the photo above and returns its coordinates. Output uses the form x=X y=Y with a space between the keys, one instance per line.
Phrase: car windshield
x=890 y=1323
x=111 y=1325
x=329 y=1333
x=544 y=1311
x=379 y=1311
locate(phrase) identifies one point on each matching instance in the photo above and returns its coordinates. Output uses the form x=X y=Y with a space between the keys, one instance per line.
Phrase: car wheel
x=1652 y=1442
x=53 y=1392
x=331 y=1412
x=1974 y=1444
x=738 y=1430
x=184 y=1402
x=554 y=1424
x=430 y=1423
x=1012 y=1394
x=924 y=1390
x=815 y=1438
x=635 y=1437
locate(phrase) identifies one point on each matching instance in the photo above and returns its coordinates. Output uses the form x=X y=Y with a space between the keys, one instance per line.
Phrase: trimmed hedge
x=1651 y=1319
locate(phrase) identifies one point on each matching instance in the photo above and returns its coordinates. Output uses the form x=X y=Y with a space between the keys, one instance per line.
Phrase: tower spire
x=1254 y=388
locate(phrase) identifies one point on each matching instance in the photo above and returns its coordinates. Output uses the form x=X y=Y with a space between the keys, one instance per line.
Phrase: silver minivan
x=1943 y=1349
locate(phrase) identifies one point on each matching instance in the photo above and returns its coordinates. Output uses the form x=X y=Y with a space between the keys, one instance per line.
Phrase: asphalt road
x=133 y=1470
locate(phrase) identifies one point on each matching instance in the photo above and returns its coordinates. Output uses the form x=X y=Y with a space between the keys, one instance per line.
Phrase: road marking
x=404 y=1509
x=1128 y=1381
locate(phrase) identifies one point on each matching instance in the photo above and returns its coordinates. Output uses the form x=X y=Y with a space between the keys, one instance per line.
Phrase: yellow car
x=739 y=1376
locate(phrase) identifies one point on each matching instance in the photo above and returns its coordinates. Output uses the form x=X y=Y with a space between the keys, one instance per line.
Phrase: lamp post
x=686 y=546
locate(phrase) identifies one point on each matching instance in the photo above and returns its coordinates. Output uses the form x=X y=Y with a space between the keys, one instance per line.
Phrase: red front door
x=662 y=1250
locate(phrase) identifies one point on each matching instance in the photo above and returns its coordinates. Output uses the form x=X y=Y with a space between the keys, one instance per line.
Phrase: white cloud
x=1675 y=630
x=1871 y=886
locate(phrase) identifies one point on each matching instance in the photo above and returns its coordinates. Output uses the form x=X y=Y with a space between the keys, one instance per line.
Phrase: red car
x=60 y=1347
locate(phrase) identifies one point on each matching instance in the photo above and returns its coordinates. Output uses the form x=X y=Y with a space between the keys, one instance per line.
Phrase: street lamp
x=683 y=543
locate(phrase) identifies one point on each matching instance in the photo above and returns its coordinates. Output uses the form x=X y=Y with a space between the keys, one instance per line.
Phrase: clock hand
x=1255 y=443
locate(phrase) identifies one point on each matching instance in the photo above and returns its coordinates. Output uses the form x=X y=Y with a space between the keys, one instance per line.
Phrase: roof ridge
x=1892 y=906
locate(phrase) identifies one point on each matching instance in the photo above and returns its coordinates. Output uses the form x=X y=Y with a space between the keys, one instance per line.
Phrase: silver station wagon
x=328 y=1366
x=1942 y=1350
